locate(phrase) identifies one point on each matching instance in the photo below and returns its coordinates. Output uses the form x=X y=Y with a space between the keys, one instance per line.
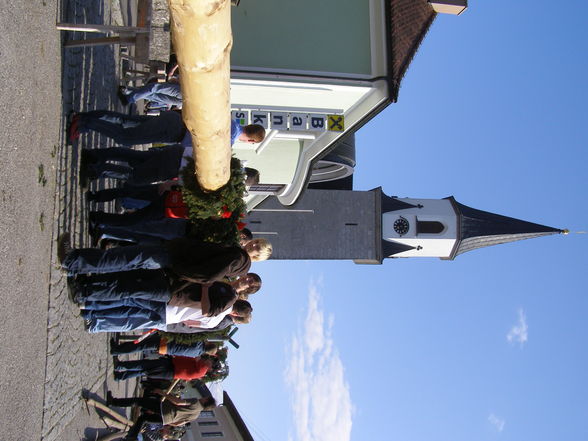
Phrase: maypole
x=201 y=34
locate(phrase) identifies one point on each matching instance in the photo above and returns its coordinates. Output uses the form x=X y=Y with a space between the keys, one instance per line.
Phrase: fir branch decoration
x=214 y=215
x=222 y=354
x=222 y=231
x=220 y=369
x=219 y=375
x=206 y=205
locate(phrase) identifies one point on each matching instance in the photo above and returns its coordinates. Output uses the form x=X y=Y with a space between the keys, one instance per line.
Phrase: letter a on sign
x=298 y=121
x=336 y=123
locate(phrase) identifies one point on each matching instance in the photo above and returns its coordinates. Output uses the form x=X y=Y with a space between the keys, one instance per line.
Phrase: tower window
x=212 y=434
x=429 y=227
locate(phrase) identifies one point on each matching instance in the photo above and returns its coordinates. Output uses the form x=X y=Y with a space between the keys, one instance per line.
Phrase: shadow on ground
x=75 y=359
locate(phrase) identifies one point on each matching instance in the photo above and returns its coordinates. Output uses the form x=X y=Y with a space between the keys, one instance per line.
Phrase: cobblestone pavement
x=46 y=358
x=77 y=360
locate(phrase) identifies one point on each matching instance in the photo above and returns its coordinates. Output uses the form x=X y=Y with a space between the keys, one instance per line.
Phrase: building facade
x=224 y=423
x=312 y=73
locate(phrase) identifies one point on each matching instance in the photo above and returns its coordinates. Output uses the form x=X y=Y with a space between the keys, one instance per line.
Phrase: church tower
x=369 y=226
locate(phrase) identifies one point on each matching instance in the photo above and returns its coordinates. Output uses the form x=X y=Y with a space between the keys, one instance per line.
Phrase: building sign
x=297 y=121
x=279 y=120
x=260 y=117
x=336 y=123
x=242 y=116
x=317 y=123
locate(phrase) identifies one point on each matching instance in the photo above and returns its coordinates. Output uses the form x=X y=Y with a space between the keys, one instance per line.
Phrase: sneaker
x=90 y=197
x=93 y=229
x=73 y=132
x=106 y=244
x=72 y=288
x=78 y=298
x=77 y=293
x=63 y=246
x=87 y=324
x=122 y=95
x=113 y=346
x=85 y=175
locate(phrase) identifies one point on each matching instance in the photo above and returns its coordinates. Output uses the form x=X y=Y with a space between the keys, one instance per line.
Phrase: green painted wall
x=309 y=35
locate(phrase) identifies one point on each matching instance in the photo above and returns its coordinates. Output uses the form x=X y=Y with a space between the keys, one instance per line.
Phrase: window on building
x=208 y=423
x=207 y=414
x=211 y=434
x=429 y=227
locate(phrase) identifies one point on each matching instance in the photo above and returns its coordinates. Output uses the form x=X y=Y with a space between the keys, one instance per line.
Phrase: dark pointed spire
x=393 y=203
x=478 y=229
x=390 y=248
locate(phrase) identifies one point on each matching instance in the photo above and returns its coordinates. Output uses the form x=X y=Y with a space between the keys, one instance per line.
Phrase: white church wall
x=425 y=244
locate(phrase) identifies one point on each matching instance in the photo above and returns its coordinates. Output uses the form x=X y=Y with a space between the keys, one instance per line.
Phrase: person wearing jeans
x=142 y=167
x=163 y=368
x=189 y=259
x=167 y=127
x=173 y=411
x=124 y=315
x=114 y=260
x=166 y=94
x=108 y=287
x=155 y=344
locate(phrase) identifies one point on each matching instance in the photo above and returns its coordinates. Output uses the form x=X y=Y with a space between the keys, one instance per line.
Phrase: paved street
x=46 y=357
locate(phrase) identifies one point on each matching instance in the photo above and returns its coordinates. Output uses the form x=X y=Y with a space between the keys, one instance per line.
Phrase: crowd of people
x=147 y=270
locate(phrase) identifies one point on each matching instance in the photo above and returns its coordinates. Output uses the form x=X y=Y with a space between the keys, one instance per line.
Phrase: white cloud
x=497 y=422
x=320 y=397
x=519 y=333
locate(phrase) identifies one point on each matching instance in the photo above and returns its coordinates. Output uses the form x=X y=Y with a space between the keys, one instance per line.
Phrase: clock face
x=401 y=226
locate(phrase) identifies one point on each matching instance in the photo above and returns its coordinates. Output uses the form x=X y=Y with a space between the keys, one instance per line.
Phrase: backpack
x=175 y=206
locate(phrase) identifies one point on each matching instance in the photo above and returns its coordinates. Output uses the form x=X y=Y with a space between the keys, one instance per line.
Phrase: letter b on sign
x=317 y=123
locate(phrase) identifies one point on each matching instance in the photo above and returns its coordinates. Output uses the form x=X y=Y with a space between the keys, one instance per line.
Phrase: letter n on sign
x=279 y=120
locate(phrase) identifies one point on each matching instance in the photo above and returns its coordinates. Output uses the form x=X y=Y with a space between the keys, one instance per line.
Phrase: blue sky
x=491 y=346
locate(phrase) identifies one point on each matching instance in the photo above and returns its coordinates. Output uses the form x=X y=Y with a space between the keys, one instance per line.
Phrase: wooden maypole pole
x=201 y=33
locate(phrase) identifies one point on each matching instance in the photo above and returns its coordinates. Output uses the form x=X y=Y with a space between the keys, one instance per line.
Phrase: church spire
x=479 y=229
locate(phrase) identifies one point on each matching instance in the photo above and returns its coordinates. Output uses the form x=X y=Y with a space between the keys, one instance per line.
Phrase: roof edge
x=236 y=416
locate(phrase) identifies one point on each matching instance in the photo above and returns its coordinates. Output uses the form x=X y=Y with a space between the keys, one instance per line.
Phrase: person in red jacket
x=164 y=368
